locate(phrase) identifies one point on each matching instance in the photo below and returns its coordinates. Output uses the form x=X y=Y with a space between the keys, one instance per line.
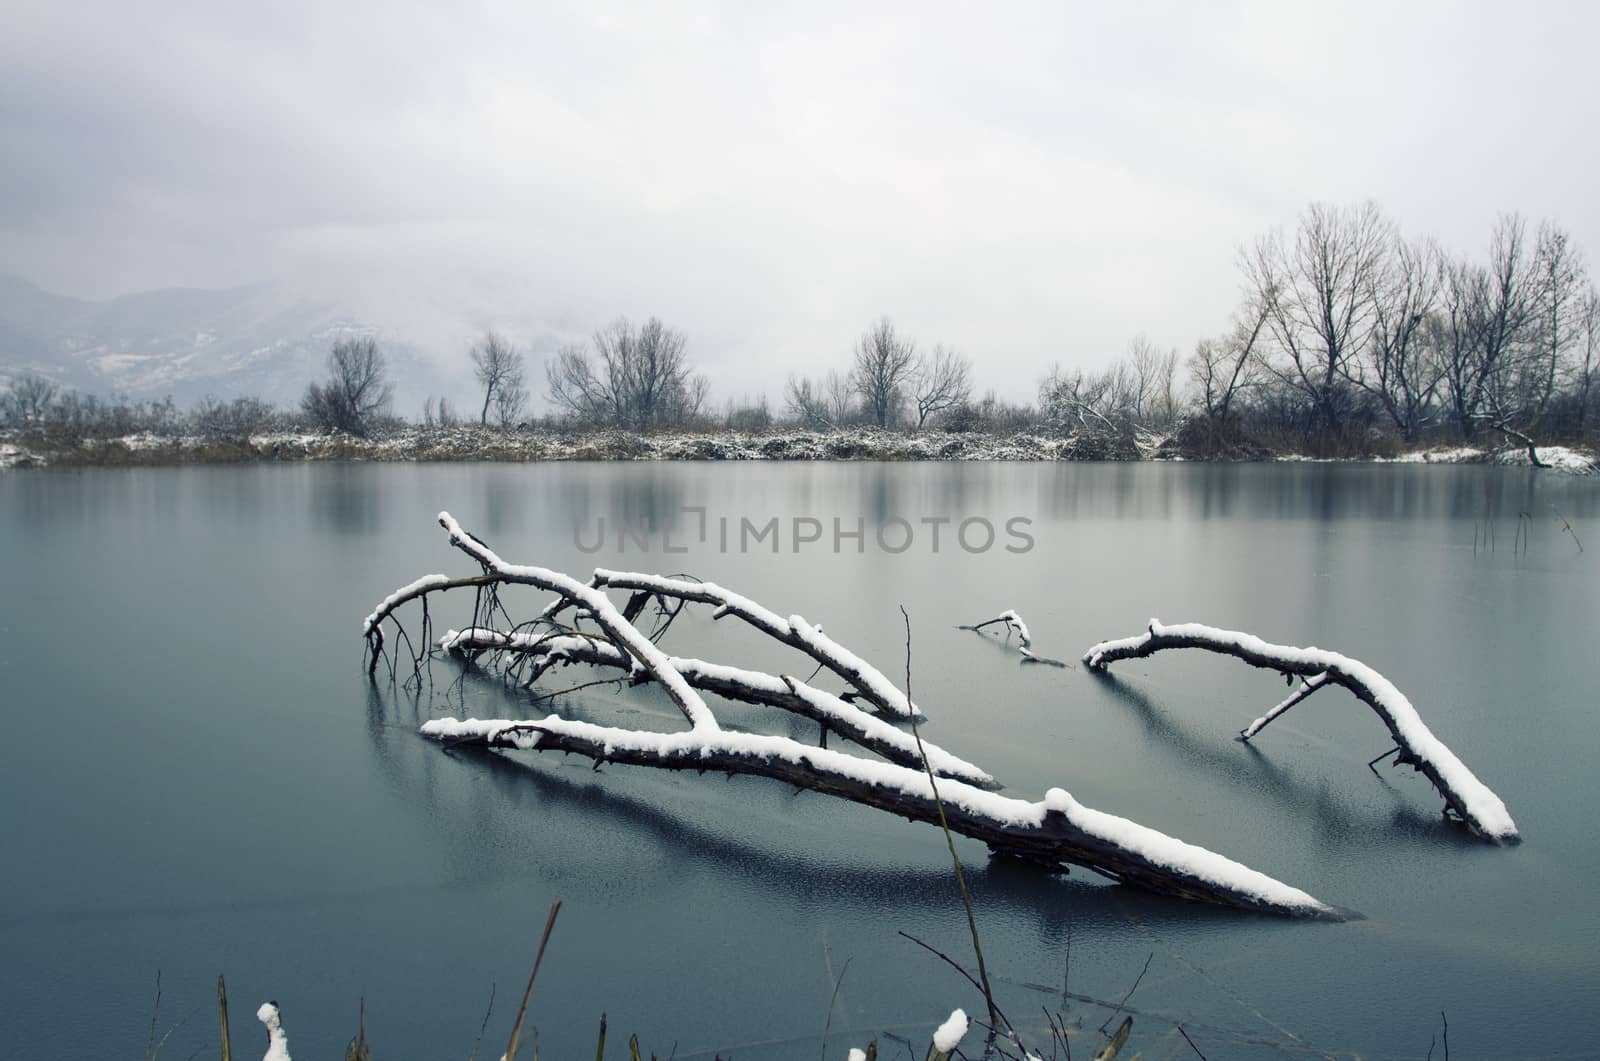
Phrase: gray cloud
x=1028 y=183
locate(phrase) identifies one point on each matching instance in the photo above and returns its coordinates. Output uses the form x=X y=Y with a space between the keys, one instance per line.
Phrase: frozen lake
x=198 y=778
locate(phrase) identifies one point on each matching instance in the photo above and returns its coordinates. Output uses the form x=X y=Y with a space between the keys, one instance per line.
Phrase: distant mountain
x=191 y=343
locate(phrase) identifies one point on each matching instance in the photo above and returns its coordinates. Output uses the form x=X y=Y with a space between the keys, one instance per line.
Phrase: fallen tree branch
x=1465 y=796
x=1014 y=624
x=869 y=682
x=1053 y=832
x=734 y=683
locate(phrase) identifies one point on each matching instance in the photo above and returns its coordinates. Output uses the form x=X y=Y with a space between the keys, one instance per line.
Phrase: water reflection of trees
x=347 y=499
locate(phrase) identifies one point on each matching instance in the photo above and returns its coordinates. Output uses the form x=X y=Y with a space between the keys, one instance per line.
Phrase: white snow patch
x=1558 y=458
x=277 y=1039
x=948 y=1035
x=1458 y=455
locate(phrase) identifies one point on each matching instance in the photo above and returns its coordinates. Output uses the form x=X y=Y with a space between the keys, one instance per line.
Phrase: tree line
x=1347 y=335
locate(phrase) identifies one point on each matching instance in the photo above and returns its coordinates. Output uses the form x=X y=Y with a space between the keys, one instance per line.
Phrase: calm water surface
x=197 y=777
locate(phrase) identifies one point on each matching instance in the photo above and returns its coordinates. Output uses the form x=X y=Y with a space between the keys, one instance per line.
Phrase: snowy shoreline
x=19 y=450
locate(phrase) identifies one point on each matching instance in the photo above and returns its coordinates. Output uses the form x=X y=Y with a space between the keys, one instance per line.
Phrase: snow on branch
x=1014 y=625
x=1053 y=832
x=734 y=683
x=598 y=606
x=1465 y=796
x=868 y=681
x=1012 y=622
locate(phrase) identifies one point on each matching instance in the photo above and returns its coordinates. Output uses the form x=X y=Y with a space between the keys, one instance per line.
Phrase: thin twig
x=1131 y=990
x=961 y=879
x=542 y=697
x=1190 y=1041
x=1372 y=764
x=484 y=1026
x=1066 y=966
x=150 y=1044
x=1567 y=527
x=957 y=966
x=827 y=1025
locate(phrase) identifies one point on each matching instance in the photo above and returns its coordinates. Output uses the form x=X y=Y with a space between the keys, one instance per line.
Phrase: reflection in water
x=1307 y=491
x=346 y=499
x=1247 y=767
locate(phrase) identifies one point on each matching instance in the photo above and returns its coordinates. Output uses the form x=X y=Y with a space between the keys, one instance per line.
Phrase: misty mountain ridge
x=192 y=343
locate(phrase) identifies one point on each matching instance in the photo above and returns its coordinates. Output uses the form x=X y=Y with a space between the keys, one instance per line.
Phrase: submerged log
x=1055 y=831
x=1465 y=796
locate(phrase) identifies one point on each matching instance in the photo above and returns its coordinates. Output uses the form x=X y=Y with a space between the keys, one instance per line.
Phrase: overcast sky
x=1027 y=183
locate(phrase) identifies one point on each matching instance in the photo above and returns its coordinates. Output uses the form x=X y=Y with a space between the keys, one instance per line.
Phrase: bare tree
x=355 y=394
x=510 y=406
x=806 y=403
x=1589 y=341
x=1561 y=281
x=1453 y=332
x=499 y=370
x=1226 y=367
x=839 y=395
x=1487 y=314
x=1090 y=400
x=883 y=366
x=578 y=389
x=1318 y=296
x=28 y=399
x=940 y=381
x=689 y=401
x=1405 y=371
x=639 y=378
x=1152 y=378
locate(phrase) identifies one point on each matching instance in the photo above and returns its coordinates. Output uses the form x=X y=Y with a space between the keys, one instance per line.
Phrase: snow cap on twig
x=277 y=1039
x=948 y=1035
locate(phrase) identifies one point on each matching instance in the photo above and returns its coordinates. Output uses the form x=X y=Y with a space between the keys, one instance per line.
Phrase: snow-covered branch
x=1013 y=624
x=599 y=607
x=734 y=683
x=1465 y=796
x=1053 y=832
x=868 y=681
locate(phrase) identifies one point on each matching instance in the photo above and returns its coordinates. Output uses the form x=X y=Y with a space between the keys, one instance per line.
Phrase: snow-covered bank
x=18 y=449
x=472 y=444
